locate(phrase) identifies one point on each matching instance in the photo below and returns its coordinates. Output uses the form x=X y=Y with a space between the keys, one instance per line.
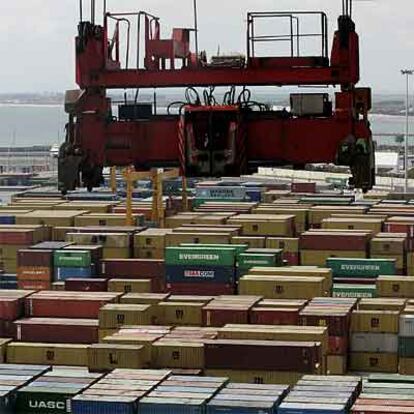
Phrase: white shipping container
x=374 y=342
x=407 y=326
x=221 y=192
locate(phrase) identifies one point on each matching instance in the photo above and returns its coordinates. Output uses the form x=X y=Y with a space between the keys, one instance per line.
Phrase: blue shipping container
x=7 y=219
x=91 y=404
x=300 y=408
x=159 y=405
x=240 y=407
x=197 y=274
x=63 y=273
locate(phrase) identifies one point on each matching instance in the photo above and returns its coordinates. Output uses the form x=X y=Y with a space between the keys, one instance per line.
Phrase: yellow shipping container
x=106 y=357
x=113 y=316
x=257 y=242
x=47 y=354
x=265 y=224
x=366 y=223
x=175 y=239
x=144 y=339
x=406 y=366
x=256 y=377
x=130 y=285
x=281 y=303
x=211 y=219
x=231 y=231
x=51 y=218
x=373 y=362
x=148 y=253
x=318 y=213
x=3 y=347
x=107 y=240
x=103 y=333
x=9 y=251
x=410 y=263
x=178 y=353
x=180 y=313
x=190 y=299
x=375 y=321
x=303 y=271
x=273 y=195
x=301 y=214
x=388 y=246
x=9 y=265
x=116 y=253
x=180 y=219
x=144 y=298
x=96 y=207
x=151 y=239
x=382 y=304
x=288 y=244
x=337 y=364
x=93 y=219
x=395 y=286
x=319 y=257
x=283 y=287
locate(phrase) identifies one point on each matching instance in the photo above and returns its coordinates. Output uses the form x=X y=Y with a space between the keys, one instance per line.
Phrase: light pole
x=407 y=73
x=196 y=27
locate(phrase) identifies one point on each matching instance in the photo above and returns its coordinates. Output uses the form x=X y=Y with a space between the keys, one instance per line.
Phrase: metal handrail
x=294 y=36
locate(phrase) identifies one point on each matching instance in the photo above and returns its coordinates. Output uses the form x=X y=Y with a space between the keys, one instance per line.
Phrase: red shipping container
x=37 y=273
x=274 y=316
x=54 y=330
x=292 y=259
x=218 y=315
x=395 y=227
x=7 y=329
x=35 y=258
x=388 y=403
x=17 y=237
x=200 y=289
x=68 y=304
x=153 y=269
x=355 y=280
x=337 y=324
x=303 y=188
x=11 y=308
x=34 y=284
x=338 y=345
x=262 y=355
x=86 y=285
x=381 y=409
x=334 y=241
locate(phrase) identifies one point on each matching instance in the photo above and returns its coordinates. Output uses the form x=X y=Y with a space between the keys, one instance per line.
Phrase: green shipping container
x=239 y=248
x=406 y=379
x=354 y=291
x=331 y=201
x=346 y=267
x=197 y=202
x=200 y=255
x=76 y=258
x=45 y=400
x=406 y=347
x=394 y=390
x=258 y=259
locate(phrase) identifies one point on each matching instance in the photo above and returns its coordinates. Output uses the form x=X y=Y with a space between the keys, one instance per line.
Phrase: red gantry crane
x=203 y=137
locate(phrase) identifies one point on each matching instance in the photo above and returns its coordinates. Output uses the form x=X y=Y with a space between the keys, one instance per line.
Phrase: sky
x=37 y=36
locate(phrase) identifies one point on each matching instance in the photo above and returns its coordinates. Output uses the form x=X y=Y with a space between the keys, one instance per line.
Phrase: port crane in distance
x=204 y=137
